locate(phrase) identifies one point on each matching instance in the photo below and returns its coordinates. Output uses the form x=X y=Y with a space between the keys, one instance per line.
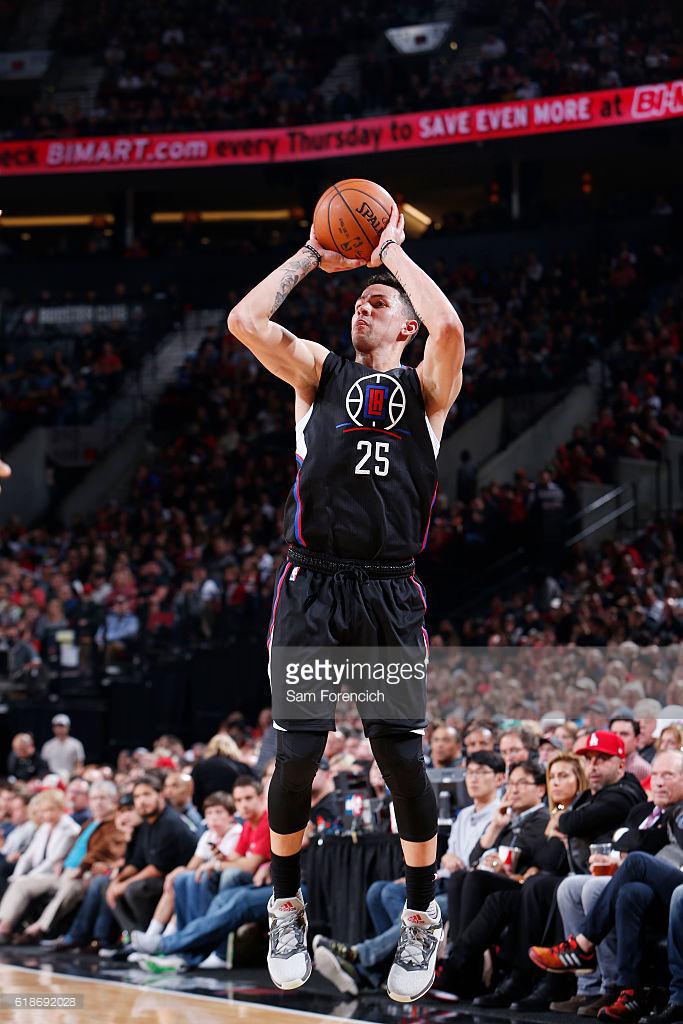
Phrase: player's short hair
x=385 y=277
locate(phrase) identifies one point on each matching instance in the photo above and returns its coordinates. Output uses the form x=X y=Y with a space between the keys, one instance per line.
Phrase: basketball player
x=367 y=435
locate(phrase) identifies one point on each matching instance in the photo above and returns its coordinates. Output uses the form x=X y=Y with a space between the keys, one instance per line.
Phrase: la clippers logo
x=376 y=401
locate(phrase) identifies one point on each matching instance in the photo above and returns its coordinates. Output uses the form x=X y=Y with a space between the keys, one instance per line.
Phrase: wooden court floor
x=106 y=1002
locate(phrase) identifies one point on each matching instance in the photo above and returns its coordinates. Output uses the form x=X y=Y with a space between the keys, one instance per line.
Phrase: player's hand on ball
x=393 y=232
x=332 y=262
x=5 y=470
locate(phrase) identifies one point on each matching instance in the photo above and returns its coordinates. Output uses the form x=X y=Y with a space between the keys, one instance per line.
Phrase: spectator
x=566 y=734
x=162 y=843
x=97 y=848
x=23 y=763
x=94 y=920
x=235 y=902
x=17 y=840
x=189 y=890
x=64 y=755
x=478 y=737
x=178 y=792
x=218 y=769
x=515 y=746
x=119 y=632
x=516 y=916
x=519 y=821
x=602 y=808
x=628 y=729
x=484 y=773
x=35 y=870
x=324 y=796
x=445 y=750
x=670 y=738
x=78 y=800
x=646 y=713
x=642 y=884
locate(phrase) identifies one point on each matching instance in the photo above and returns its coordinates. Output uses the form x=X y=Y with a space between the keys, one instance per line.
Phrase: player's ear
x=410 y=328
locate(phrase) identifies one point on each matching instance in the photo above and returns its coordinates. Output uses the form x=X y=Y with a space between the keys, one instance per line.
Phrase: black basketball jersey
x=366 y=455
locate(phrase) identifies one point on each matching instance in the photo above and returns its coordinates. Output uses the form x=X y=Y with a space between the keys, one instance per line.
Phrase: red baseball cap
x=603 y=742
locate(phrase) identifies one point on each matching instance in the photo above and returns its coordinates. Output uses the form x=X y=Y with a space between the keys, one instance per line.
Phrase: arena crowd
x=162 y=857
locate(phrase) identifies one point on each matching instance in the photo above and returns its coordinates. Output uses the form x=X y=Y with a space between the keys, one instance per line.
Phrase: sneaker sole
x=287 y=986
x=409 y=999
x=157 y=969
x=328 y=965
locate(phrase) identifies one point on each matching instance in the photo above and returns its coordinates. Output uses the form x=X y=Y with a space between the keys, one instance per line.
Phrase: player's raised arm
x=441 y=369
x=294 y=360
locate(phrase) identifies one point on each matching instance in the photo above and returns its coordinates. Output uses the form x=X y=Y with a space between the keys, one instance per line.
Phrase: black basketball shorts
x=321 y=601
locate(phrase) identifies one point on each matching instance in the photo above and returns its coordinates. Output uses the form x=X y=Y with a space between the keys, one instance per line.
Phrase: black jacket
x=166 y=843
x=25 y=768
x=527 y=834
x=652 y=839
x=594 y=818
x=213 y=774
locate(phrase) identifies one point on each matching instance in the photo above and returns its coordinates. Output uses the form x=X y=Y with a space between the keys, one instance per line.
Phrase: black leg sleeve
x=402 y=765
x=289 y=794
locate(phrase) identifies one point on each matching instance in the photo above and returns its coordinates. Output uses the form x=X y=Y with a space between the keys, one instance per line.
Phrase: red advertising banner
x=540 y=116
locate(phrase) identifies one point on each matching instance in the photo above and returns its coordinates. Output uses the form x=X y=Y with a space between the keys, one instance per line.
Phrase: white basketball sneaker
x=412 y=972
x=289 y=963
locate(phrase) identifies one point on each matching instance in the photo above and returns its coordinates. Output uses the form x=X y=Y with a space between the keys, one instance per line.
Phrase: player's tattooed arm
x=292 y=272
x=294 y=360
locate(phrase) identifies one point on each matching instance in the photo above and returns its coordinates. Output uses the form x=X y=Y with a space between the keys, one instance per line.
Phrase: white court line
x=187 y=995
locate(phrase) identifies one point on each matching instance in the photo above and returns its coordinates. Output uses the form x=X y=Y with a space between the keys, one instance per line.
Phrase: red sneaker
x=628 y=1006
x=566 y=957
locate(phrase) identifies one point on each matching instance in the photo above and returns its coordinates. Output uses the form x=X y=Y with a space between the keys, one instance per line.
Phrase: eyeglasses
x=521 y=782
x=472 y=773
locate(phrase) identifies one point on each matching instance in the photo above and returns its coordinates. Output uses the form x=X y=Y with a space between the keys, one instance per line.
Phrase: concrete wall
x=108 y=478
x=480 y=436
x=26 y=494
x=533 y=449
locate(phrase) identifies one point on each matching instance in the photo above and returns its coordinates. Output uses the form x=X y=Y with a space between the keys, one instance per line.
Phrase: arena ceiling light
x=208 y=216
x=411 y=39
x=418 y=215
x=59 y=220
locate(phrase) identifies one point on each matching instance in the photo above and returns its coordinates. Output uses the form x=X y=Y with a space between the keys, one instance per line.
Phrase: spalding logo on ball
x=377 y=400
x=350 y=216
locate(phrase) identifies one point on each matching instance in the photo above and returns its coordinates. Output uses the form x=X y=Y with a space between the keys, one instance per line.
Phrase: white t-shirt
x=209 y=843
x=62 y=756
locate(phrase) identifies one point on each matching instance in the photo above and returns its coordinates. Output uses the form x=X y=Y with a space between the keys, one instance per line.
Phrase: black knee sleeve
x=402 y=765
x=289 y=794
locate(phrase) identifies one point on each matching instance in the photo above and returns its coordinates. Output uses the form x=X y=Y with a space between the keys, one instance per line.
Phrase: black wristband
x=386 y=245
x=314 y=252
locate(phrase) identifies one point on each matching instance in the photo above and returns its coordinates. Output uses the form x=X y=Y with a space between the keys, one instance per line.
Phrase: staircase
x=73 y=85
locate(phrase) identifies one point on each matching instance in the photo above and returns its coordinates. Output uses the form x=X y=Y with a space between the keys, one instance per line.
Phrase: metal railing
x=627 y=506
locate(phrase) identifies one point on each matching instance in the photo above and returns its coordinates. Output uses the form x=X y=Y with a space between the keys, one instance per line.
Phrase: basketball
x=350 y=216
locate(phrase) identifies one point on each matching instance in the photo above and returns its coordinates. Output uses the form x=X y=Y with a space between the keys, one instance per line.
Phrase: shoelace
x=415 y=946
x=287 y=934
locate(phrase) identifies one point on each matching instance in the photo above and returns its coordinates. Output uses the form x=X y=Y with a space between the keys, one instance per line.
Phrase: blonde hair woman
x=670 y=738
x=34 y=874
x=221 y=765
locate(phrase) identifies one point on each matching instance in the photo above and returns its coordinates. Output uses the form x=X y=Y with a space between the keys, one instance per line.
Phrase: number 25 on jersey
x=381 y=463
